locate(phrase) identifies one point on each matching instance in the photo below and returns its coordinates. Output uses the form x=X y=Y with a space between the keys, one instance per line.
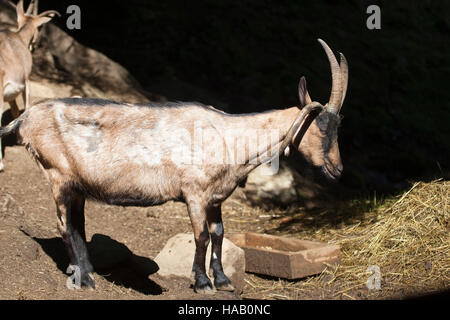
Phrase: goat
x=145 y=155
x=15 y=57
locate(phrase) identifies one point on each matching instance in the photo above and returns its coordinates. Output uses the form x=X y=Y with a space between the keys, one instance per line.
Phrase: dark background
x=249 y=55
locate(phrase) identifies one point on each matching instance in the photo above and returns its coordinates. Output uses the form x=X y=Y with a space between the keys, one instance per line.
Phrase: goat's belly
x=145 y=197
x=130 y=187
x=12 y=90
x=132 y=201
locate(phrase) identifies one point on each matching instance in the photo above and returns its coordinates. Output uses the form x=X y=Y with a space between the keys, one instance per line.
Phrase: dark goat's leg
x=2 y=105
x=70 y=211
x=14 y=109
x=197 y=214
x=216 y=231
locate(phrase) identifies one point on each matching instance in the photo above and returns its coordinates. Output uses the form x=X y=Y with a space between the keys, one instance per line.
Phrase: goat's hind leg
x=15 y=112
x=197 y=213
x=70 y=212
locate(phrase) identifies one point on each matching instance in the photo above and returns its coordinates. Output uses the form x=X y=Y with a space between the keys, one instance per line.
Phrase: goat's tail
x=13 y=125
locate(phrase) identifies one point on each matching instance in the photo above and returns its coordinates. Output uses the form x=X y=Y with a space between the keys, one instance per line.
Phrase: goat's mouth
x=331 y=175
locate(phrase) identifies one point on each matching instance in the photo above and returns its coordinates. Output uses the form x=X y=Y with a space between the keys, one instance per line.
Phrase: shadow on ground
x=111 y=259
x=332 y=214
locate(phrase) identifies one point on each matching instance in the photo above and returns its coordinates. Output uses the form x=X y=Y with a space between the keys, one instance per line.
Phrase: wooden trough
x=284 y=257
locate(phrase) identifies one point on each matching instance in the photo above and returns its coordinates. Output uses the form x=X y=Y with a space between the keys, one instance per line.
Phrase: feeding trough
x=285 y=257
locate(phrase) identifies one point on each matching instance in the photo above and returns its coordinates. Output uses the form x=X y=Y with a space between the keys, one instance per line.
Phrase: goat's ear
x=45 y=17
x=42 y=20
x=303 y=93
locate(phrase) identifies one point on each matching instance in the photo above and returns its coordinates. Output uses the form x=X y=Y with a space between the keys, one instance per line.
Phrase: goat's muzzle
x=332 y=174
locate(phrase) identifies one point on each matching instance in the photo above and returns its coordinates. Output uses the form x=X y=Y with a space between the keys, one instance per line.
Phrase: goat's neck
x=274 y=127
x=26 y=33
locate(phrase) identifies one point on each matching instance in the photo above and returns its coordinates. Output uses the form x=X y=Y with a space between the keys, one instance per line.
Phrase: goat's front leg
x=2 y=104
x=197 y=213
x=70 y=212
x=14 y=109
x=216 y=231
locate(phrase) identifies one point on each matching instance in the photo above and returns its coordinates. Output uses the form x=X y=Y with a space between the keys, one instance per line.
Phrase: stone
x=264 y=184
x=177 y=256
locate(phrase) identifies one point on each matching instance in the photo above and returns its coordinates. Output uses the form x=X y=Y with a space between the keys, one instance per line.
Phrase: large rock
x=291 y=184
x=177 y=256
x=268 y=186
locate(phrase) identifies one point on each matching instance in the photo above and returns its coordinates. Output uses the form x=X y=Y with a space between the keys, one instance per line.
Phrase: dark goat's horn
x=336 y=87
x=344 y=78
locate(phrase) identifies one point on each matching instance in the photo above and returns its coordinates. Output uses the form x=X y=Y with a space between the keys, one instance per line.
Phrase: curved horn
x=344 y=78
x=336 y=87
x=30 y=7
x=12 y=4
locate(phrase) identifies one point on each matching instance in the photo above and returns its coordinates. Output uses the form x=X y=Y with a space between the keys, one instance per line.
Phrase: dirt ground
x=122 y=244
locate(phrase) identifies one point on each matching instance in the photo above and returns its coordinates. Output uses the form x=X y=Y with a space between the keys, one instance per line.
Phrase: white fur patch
x=287 y=151
x=12 y=89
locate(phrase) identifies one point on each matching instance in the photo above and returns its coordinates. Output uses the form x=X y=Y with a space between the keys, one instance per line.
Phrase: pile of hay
x=407 y=239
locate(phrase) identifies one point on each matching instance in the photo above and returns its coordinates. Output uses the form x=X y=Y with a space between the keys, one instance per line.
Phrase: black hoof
x=222 y=283
x=203 y=285
x=79 y=278
x=88 y=281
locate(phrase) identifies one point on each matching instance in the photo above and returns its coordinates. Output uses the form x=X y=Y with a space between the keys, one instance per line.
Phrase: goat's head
x=318 y=142
x=32 y=17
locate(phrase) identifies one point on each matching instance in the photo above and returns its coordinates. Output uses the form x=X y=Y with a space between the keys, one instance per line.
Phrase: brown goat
x=144 y=155
x=15 y=57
